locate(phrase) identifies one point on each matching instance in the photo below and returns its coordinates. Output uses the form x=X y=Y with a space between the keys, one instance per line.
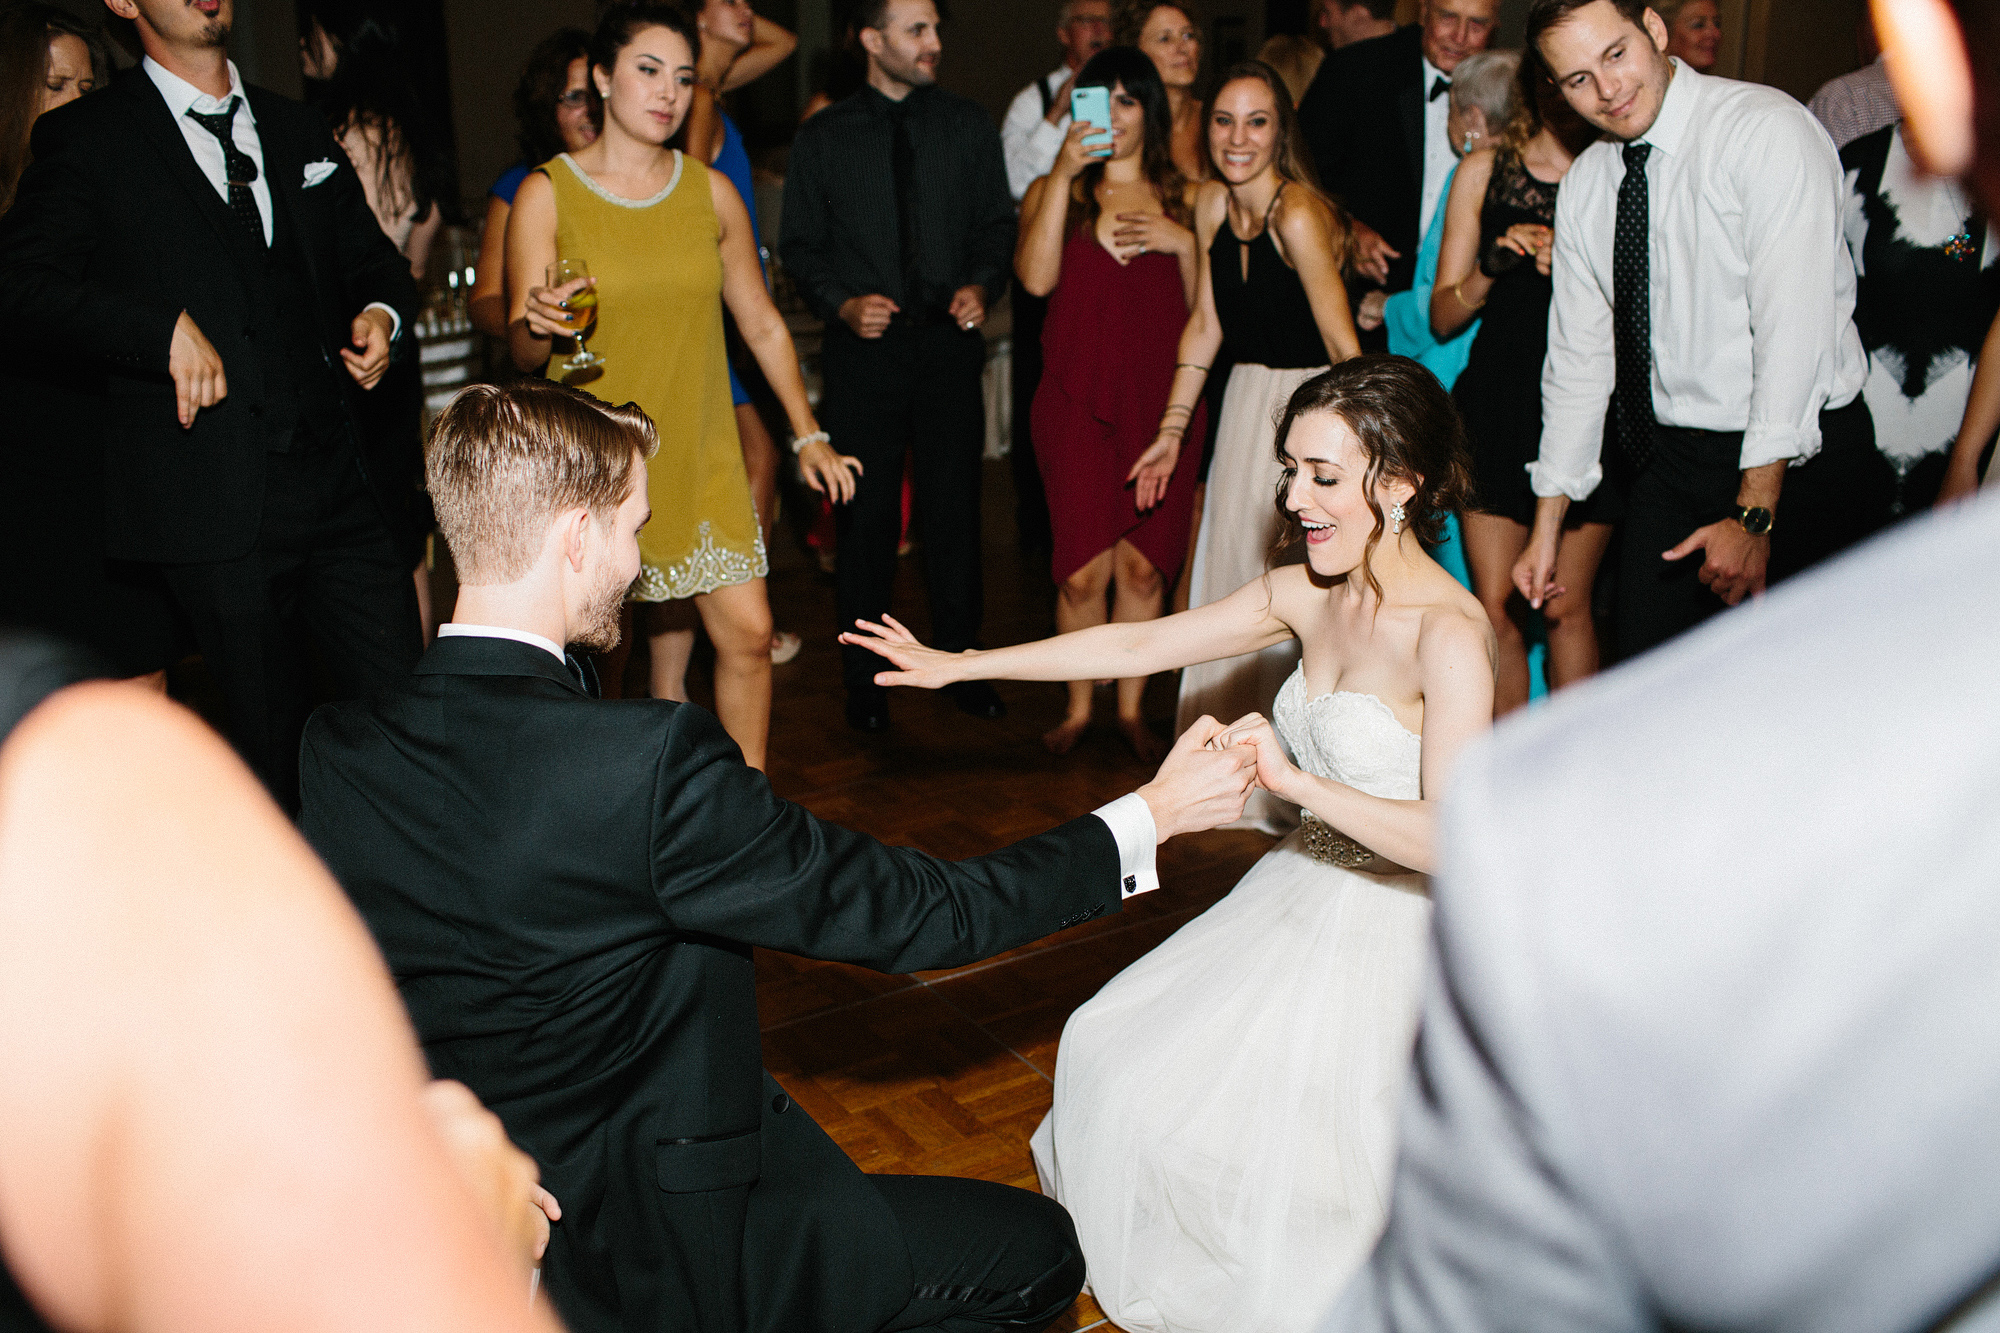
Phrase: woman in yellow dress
x=665 y=237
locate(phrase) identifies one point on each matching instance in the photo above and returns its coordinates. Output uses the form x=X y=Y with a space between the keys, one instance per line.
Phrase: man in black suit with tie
x=568 y=891
x=1374 y=120
x=205 y=251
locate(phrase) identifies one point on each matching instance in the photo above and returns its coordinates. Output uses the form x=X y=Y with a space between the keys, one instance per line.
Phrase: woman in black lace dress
x=1494 y=261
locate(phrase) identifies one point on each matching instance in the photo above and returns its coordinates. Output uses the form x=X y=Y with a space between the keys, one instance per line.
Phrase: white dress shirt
x=1026 y=137
x=1129 y=818
x=183 y=97
x=1438 y=159
x=1752 y=288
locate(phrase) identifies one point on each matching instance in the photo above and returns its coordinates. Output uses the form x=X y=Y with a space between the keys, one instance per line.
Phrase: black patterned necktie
x=1632 y=313
x=903 y=161
x=236 y=165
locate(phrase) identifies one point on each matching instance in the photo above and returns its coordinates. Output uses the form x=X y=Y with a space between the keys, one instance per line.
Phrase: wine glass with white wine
x=582 y=307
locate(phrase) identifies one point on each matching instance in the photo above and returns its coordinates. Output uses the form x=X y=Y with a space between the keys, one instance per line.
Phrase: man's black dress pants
x=915 y=391
x=324 y=584
x=1828 y=503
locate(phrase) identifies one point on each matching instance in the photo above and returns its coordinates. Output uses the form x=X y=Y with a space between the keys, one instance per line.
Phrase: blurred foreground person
x=214 y=1116
x=1722 y=1064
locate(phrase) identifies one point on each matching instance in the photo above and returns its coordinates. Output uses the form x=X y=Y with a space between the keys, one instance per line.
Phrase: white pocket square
x=317 y=172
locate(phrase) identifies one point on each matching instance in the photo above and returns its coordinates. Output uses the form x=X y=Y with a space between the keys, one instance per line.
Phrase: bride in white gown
x=1224 y=1121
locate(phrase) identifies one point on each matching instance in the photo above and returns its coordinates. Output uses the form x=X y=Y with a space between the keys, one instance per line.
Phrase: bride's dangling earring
x=1397 y=516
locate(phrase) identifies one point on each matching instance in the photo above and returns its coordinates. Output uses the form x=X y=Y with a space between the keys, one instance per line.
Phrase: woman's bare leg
x=760 y=460
x=1572 y=634
x=738 y=620
x=1492 y=545
x=1079 y=605
x=1140 y=589
x=670 y=630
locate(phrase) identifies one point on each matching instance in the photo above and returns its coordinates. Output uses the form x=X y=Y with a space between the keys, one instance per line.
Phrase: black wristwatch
x=1756 y=522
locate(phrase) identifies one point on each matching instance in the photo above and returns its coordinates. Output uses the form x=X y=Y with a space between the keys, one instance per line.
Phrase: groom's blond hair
x=504 y=459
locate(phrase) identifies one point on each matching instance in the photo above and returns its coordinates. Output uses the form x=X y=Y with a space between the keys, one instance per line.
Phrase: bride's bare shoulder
x=1456 y=632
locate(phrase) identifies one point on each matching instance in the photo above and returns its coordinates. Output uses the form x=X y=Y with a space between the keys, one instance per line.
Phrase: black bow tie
x=1439 y=87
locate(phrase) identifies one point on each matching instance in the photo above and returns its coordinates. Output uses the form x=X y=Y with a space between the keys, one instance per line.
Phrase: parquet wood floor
x=949 y=1072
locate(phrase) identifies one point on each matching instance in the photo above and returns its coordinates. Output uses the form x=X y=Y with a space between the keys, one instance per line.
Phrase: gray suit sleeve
x=1491 y=1227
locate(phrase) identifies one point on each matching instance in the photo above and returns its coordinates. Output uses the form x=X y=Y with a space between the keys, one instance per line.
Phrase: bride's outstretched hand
x=1276 y=773
x=925 y=668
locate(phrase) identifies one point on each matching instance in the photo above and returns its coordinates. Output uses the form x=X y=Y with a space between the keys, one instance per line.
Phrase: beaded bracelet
x=817 y=437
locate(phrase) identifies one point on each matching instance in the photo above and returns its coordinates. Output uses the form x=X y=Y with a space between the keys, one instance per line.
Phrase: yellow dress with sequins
x=658 y=267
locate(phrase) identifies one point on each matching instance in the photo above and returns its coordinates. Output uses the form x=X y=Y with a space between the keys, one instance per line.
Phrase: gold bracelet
x=1458 y=290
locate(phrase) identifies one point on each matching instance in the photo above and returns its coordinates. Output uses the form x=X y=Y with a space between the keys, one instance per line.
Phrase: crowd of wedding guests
x=1376 y=386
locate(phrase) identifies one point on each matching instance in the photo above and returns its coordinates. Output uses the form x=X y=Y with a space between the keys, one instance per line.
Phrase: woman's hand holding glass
x=925 y=668
x=548 y=314
x=831 y=474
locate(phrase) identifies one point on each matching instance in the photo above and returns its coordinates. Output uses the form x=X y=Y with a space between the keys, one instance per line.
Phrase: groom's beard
x=600 y=632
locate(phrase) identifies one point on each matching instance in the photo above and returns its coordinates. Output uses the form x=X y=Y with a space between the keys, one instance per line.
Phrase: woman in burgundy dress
x=1108 y=233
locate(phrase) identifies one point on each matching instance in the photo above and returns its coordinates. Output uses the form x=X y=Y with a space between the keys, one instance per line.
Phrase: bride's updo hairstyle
x=1408 y=428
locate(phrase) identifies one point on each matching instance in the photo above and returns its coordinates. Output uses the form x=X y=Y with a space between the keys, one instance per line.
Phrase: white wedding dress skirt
x=1225 y=1108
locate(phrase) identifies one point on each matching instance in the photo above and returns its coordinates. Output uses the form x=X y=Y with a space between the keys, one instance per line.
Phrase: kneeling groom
x=568 y=890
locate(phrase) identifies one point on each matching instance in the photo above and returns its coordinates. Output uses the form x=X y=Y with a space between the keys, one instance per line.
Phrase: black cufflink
x=1131 y=884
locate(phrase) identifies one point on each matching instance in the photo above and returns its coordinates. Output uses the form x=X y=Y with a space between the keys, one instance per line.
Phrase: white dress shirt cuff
x=1046 y=139
x=1775 y=444
x=395 y=320
x=1130 y=820
x=1546 y=481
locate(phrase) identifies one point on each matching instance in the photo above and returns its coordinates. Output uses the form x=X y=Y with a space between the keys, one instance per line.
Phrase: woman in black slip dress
x=1494 y=261
x=1269 y=295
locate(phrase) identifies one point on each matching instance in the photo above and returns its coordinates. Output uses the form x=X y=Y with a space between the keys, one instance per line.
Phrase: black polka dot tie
x=1632 y=313
x=236 y=164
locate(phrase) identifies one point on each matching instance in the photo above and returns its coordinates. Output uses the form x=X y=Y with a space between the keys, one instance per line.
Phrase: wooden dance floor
x=947 y=1073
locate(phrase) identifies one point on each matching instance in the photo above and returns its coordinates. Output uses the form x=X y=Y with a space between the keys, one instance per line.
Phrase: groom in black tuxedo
x=568 y=891
x=206 y=255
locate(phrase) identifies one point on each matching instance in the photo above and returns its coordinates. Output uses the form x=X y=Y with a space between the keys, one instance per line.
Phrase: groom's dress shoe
x=977 y=698
x=868 y=710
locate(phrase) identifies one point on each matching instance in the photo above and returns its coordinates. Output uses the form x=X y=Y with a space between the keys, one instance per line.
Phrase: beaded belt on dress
x=1325 y=843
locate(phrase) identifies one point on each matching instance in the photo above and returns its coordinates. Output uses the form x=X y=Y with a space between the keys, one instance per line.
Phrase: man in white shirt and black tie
x=1703 y=295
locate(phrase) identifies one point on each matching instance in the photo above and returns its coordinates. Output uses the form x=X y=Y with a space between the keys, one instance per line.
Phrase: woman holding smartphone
x=1106 y=235
x=1271 y=292
x=666 y=236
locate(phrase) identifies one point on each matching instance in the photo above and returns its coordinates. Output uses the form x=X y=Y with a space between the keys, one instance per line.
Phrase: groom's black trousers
x=984 y=1256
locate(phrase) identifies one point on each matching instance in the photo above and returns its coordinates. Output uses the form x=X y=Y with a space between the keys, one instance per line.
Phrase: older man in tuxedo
x=1374 y=119
x=1726 y=1062
x=207 y=253
x=568 y=891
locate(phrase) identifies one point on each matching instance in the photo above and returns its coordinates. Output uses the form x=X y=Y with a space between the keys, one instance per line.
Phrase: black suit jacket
x=1363 y=119
x=567 y=890
x=113 y=233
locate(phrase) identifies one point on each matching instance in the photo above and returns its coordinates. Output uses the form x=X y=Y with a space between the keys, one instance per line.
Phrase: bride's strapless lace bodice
x=1351 y=738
